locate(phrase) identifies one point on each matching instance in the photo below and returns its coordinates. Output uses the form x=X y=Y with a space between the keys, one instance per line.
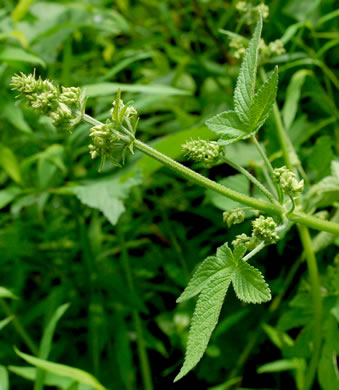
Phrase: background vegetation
x=59 y=240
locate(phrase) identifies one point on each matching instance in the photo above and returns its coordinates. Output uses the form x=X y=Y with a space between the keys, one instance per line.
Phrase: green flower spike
x=202 y=151
x=65 y=109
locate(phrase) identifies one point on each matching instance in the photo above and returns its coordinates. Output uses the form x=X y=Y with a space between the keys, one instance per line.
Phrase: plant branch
x=203 y=181
x=269 y=167
x=250 y=177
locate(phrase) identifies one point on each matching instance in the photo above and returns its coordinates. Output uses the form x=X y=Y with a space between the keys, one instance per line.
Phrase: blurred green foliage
x=57 y=241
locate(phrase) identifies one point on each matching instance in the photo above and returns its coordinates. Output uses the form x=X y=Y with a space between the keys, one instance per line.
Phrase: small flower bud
x=243 y=239
x=264 y=9
x=288 y=181
x=104 y=140
x=71 y=97
x=232 y=217
x=238 y=47
x=62 y=118
x=276 y=48
x=202 y=150
x=264 y=229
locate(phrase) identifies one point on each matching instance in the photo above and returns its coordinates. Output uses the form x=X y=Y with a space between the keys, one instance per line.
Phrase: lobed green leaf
x=249 y=284
x=205 y=319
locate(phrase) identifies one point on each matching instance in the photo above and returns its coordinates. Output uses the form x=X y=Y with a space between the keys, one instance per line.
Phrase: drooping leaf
x=46 y=342
x=204 y=319
x=4 y=383
x=16 y=54
x=10 y=164
x=62 y=370
x=244 y=91
x=8 y=194
x=249 y=284
x=293 y=95
x=5 y=293
x=263 y=101
x=62 y=382
x=104 y=89
x=328 y=367
x=106 y=196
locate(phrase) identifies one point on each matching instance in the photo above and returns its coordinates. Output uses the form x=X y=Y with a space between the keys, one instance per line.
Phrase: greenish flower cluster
x=116 y=136
x=239 y=45
x=249 y=11
x=273 y=49
x=64 y=107
x=288 y=181
x=232 y=217
x=263 y=230
x=202 y=151
x=243 y=239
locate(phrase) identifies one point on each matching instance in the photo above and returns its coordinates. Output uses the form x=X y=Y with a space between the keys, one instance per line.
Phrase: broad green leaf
x=228 y=126
x=16 y=54
x=301 y=10
x=10 y=164
x=62 y=370
x=236 y=182
x=249 y=284
x=20 y=9
x=14 y=115
x=326 y=191
x=8 y=194
x=263 y=101
x=244 y=90
x=106 y=89
x=46 y=342
x=30 y=373
x=293 y=95
x=4 y=384
x=5 y=293
x=204 y=319
x=279 y=365
x=5 y=322
x=106 y=196
x=328 y=372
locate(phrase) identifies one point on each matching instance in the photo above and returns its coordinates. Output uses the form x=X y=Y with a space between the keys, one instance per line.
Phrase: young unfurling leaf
x=250 y=109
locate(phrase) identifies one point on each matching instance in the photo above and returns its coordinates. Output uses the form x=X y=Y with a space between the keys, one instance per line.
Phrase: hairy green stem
x=207 y=183
x=269 y=167
x=256 y=250
x=317 y=304
x=19 y=328
x=250 y=177
x=203 y=181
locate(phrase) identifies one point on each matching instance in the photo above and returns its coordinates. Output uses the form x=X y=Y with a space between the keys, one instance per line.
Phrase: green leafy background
x=71 y=238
